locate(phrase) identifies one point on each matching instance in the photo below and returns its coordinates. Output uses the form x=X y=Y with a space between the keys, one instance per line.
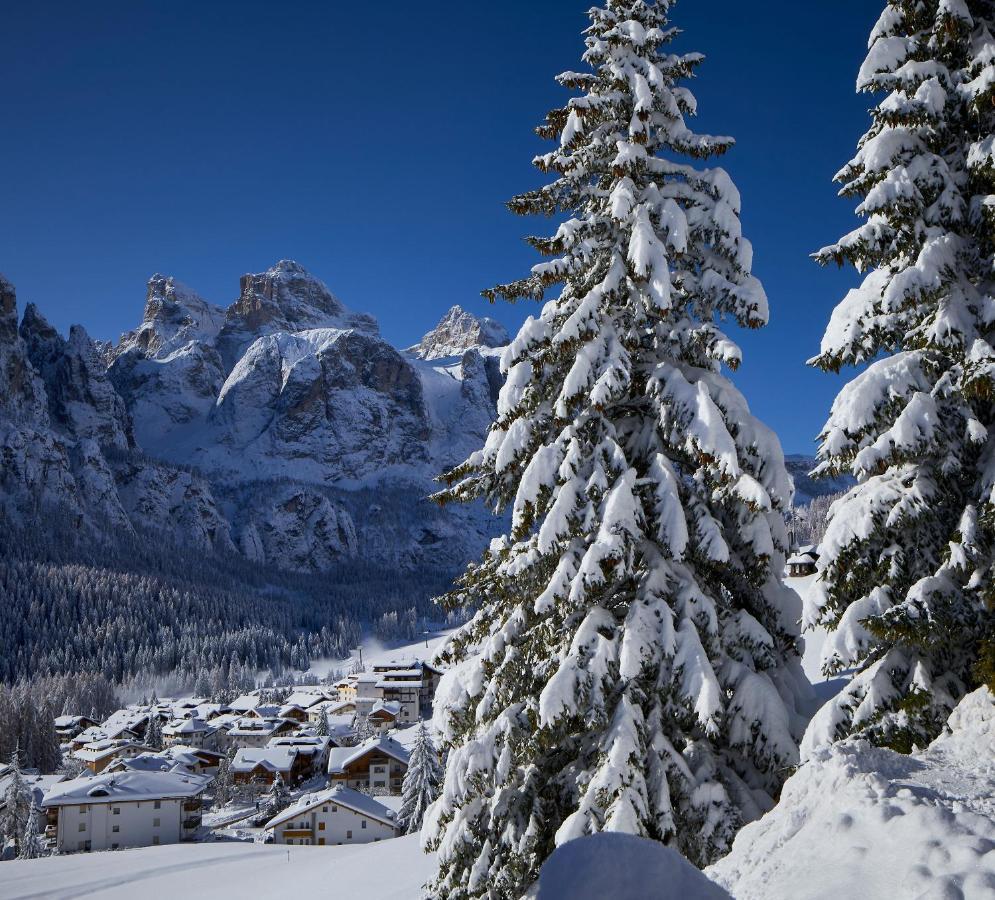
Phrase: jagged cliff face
x=458 y=332
x=316 y=441
x=66 y=447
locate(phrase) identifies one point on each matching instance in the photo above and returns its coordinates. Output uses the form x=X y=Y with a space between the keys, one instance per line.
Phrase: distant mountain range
x=808 y=488
x=284 y=427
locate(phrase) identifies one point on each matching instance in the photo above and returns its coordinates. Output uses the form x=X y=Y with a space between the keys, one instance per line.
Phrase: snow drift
x=858 y=821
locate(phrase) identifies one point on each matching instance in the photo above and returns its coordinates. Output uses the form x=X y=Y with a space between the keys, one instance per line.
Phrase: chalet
x=378 y=764
x=124 y=809
x=331 y=708
x=265 y=763
x=305 y=699
x=99 y=733
x=337 y=816
x=312 y=752
x=67 y=727
x=385 y=714
x=193 y=760
x=292 y=711
x=252 y=732
x=98 y=755
x=192 y=732
x=803 y=563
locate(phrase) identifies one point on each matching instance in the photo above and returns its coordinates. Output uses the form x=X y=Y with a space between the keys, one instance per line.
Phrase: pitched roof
x=341 y=757
x=124 y=786
x=100 y=749
x=187 y=726
x=340 y=795
x=273 y=759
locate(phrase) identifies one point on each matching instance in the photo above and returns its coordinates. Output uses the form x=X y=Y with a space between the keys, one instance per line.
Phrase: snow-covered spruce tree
x=906 y=562
x=153 y=733
x=31 y=843
x=323 y=729
x=17 y=803
x=421 y=782
x=633 y=665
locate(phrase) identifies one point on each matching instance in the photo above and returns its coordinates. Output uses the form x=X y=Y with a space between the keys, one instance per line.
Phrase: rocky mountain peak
x=286 y=297
x=457 y=332
x=81 y=399
x=8 y=311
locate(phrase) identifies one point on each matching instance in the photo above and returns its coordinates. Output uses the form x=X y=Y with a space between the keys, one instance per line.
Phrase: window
x=364 y=823
x=335 y=809
x=321 y=826
x=321 y=842
x=155 y=840
x=82 y=826
x=115 y=846
x=116 y=829
x=83 y=809
x=155 y=823
x=117 y=810
x=324 y=809
x=157 y=804
x=348 y=835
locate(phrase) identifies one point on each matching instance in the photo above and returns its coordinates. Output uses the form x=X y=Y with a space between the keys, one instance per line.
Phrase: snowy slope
x=389 y=870
x=856 y=821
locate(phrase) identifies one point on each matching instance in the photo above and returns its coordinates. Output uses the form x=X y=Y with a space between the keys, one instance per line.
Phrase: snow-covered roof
x=125 y=786
x=802 y=559
x=306 y=699
x=391 y=684
x=367 y=677
x=70 y=721
x=341 y=757
x=101 y=749
x=245 y=703
x=273 y=759
x=340 y=795
x=390 y=707
x=187 y=726
x=305 y=743
x=246 y=726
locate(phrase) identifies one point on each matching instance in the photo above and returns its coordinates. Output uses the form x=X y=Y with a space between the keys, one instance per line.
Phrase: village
x=308 y=765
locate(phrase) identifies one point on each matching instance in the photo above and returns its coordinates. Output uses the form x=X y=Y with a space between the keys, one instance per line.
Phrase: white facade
x=107 y=826
x=126 y=809
x=333 y=819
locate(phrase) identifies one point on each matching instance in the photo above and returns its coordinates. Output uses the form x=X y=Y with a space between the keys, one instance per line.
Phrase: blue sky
x=377 y=143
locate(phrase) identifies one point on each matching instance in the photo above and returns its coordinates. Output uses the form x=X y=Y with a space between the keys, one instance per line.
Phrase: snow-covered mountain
x=808 y=488
x=284 y=426
x=458 y=332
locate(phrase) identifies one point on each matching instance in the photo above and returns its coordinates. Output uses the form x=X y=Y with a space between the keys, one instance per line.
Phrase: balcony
x=191 y=824
x=298 y=833
x=192 y=805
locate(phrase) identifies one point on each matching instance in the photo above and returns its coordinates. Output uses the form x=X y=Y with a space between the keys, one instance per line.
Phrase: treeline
x=138 y=608
x=28 y=711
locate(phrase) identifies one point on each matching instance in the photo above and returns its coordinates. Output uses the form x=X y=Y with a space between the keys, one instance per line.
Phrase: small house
x=337 y=816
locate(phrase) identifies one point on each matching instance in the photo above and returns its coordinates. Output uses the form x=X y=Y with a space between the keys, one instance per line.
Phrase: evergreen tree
x=31 y=843
x=323 y=729
x=224 y=785
x=153 y=733
x=18 y=802
x=633 y=666
x=279 y=798
x=421 y=782
x=907 y=556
